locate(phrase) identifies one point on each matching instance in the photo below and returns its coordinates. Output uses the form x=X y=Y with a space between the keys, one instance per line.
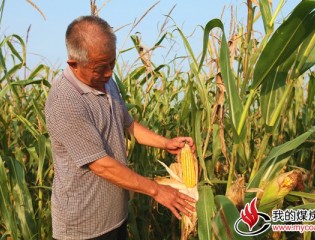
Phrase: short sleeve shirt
x=85 y=125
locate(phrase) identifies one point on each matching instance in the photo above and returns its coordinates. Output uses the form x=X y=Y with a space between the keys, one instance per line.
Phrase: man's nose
x=108 y=72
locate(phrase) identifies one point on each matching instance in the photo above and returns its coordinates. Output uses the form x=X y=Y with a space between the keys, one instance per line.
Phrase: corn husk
x=277 y=189
x=237 y=191
x=176 y=180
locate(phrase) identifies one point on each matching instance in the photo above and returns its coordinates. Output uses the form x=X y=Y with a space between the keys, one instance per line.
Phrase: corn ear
x=277 y=189
x=184 y=177
x=188 y=167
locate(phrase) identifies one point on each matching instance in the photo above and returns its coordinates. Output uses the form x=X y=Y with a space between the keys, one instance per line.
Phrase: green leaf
x=289 y=146
x=6 y=206
x=39 y=111
x=306 y=56
x=23 y=199
x=205 y=210
x=4 y=91
x=12 y=71
x=41 y=157
x=5 y=236
x=135 y=74
x=158 y=43
x=287 y=38
x=275 y=160
x=310 y=196
x=121 y=87
x=194 y=64
x=202 y=92
x=27 y=82
x=235 y=104
x=28 y=125
x=199 y=142
x=311 y=91
x=224 y=220
x=271 y=93
x=266 y=15
x=14 y=51
x=36 y=71
x=1 y=10
x=216 y=144
x=132 y=220
x=304 y=206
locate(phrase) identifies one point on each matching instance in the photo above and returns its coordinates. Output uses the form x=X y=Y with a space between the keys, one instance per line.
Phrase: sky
x=46 y=36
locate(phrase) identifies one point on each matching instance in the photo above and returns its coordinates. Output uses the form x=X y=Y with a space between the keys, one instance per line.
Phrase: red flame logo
x=250 y=214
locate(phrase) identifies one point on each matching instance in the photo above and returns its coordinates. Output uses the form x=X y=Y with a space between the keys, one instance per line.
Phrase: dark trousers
x=116 y=234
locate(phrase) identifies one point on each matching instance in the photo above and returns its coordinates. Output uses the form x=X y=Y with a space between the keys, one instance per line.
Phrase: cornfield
x=247 y=101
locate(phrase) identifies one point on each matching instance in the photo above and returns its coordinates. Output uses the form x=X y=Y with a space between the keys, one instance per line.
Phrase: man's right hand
x=174 y=200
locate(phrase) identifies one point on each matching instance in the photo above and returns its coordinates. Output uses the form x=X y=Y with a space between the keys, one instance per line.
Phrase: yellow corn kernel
x=188 y=166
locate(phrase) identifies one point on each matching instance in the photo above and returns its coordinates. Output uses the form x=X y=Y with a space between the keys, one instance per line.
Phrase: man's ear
x=72 y=63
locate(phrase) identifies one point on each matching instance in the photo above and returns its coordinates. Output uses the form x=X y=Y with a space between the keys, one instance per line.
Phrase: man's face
x=98 y=70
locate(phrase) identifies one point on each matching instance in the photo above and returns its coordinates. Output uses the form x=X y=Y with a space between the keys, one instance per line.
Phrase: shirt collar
x=81 y=87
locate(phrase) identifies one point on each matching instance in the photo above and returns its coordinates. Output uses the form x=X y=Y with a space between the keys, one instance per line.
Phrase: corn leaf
x=4 y=91
x=306 y=56
x=235 y=104
x=14 y=51
x=27 y=82
x=283 y=43
x=12 y=71
x=271 y=93
x=6 y=206
x=132 y=220
x=198 y=140
x=8 y=40
x=121 y=87
x=39 y=111
x=205 y=210
x=194 y=64
x=311 y=91
x=310 y=196
x=202 y=90
x=266 y=15
x=1 y=10
x=41 y=157
x=289 y=146
x=304 y=206
x=23 y=200
x=278 y=155
x=224 y=220
x=5 y=236
x=216 y=144
x=28 y=125
x=287 y=38
x=36 y=71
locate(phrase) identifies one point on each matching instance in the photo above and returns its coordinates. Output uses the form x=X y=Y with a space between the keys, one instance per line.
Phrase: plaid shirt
x=85 y=125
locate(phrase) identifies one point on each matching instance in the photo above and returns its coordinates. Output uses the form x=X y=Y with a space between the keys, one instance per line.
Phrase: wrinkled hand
x=174 y=145
x=174 y=200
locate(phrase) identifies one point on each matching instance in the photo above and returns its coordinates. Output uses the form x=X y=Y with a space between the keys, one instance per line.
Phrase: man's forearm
x=120 y=175
x=147 y=137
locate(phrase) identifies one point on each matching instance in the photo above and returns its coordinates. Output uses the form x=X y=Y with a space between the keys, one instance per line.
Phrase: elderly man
x=86 y=118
